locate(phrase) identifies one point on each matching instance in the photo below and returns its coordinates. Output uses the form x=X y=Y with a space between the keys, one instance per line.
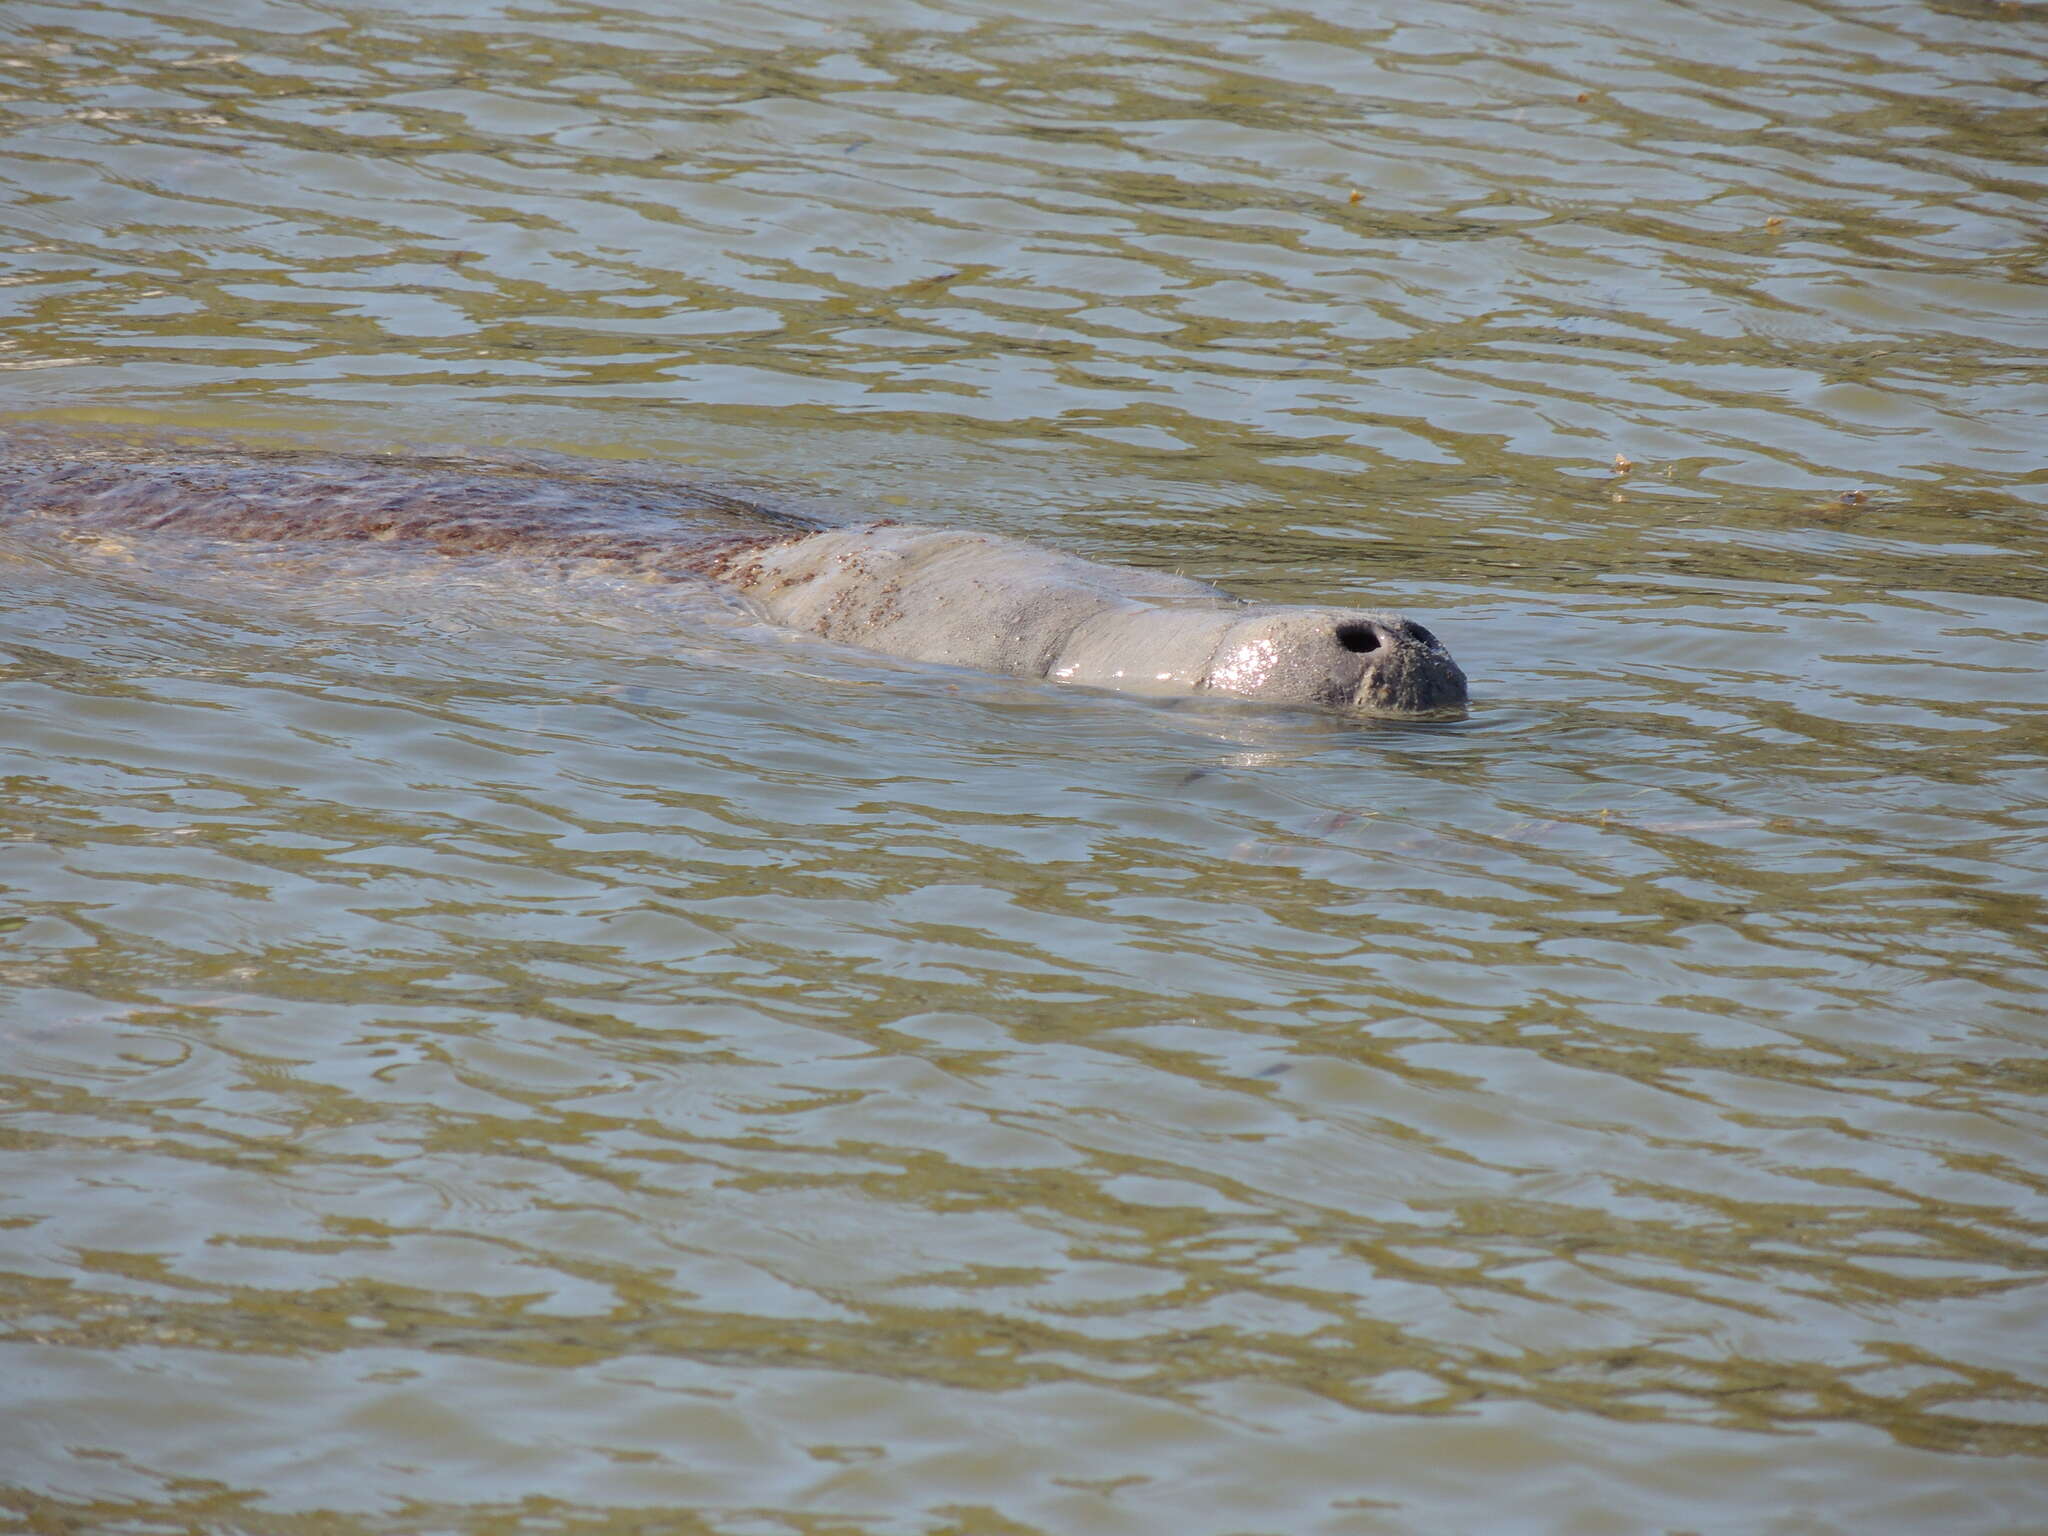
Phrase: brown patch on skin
x=735 y=558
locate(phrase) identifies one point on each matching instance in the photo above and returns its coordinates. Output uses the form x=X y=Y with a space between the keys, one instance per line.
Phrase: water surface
x=493 y=1047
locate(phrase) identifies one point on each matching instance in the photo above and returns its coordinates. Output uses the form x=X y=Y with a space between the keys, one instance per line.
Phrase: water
x=489 y=1048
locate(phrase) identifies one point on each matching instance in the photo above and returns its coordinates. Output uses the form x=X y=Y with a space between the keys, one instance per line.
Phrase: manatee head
x=1366 y=663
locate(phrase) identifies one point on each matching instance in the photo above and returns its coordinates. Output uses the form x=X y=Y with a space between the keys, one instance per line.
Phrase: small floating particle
x=1623 y=464
x=1585 y=96
x=1841 y=501
x=1355 y=196
x=1774 y=222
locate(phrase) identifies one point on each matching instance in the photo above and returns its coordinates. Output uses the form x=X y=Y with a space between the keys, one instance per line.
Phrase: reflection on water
x=491 y=1044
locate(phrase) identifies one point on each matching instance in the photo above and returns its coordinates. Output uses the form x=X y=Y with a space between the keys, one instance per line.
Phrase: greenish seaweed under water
x=498 y=1046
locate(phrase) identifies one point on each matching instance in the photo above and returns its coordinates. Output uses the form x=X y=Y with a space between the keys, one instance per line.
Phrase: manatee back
x=935 y=594
x=475 y=504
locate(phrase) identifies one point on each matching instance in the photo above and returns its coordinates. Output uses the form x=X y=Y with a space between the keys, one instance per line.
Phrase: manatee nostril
x=1417 y=633
x=1358 y=636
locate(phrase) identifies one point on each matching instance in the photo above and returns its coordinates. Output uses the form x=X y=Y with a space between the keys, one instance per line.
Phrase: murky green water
x=486 y=1051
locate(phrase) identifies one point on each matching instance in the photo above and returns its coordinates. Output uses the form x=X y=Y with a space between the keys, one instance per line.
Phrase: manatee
x=924 y=593
x=1004 y=605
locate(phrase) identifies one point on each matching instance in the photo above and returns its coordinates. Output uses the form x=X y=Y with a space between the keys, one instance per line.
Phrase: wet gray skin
x=1003 y=605
x=928 y=594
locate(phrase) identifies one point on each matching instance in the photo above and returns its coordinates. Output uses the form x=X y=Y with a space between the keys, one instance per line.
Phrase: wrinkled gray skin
x=929 y=594
x=977 y=600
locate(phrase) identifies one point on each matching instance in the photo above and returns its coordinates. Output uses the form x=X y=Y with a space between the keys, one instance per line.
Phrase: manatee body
x=1003 y=605
x=928 y=594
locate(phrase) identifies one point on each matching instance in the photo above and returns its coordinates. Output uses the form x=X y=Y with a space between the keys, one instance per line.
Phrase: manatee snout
x=1371 y=663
